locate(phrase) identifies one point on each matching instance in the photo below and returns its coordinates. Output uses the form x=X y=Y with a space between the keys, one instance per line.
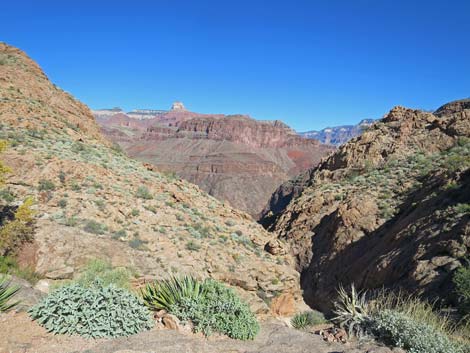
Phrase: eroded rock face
x=234 y=158
x=387 y=209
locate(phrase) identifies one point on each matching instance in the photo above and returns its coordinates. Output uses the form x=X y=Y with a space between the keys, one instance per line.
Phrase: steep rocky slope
x=389 y=208
x=233 y=158
x=94 y=202
x=338 y=135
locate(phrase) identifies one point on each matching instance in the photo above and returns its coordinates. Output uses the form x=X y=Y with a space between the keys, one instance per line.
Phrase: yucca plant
x=351 y=310
x=7 y=292
x=307 y=318
x=163 y=294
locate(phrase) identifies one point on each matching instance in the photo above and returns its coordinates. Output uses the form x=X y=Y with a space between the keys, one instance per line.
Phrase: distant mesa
x=232 y=157
x=338 y=135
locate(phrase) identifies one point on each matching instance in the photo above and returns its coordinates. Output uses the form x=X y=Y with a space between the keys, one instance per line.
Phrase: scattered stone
x=63 y=273
x=43 y=286
x=171 y=322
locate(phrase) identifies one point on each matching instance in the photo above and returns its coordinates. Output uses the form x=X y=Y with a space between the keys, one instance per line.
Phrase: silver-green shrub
x=92 y=312
x=399 y=330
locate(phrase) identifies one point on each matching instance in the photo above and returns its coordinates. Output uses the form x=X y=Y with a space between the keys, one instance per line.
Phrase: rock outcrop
x=233 y=158
x=389 y=208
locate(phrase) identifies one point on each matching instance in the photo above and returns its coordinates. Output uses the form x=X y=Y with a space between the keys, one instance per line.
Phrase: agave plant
x=351 y=310
x=7 y=292
x=307 y=318
x=163 y=294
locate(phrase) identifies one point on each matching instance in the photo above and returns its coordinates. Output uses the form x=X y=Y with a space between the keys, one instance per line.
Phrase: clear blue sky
x=310 y=63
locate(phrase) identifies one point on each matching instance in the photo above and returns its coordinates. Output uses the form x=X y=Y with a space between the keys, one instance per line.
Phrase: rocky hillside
x=233 y=158
x=338 y=135
x=389 y=208
x=92 y=201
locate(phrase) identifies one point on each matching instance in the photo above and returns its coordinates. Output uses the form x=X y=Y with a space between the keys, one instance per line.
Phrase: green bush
x=307 y=319
x=7 y=292
x=95 y=227
x=106 y=274
x=462 y=286
x=9 y=265
x=92 y=312
x=46 y=185
x=399 y=330
x=209 y=305
x=143 y=193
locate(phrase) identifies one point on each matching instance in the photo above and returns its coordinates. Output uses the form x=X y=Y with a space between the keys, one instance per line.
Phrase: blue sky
x=310 y=63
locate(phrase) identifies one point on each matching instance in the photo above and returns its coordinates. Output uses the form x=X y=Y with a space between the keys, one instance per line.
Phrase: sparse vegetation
x=192 y=246
x=9 y=265
x=143 y=193
x=95 y=227
x=106 y=274
x=46 y=185
x=462 y=286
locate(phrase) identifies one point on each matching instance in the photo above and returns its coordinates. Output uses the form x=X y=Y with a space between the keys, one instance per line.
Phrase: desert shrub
x=307 y=319
x=95 y=227
x=192 y=246
x=351 y=310
x=18 y=230
x=209 y=305
x=9 y=265
x=399 y=330
x=62 y=203
x=462 y=286
x=106 y=274
x=6 y=195
x=143 y=193
x=46 y=185
x=7 y=292
x=92 y=312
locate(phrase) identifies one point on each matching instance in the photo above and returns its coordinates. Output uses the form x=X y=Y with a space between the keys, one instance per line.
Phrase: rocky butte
x=387 y=209
x=233 y=158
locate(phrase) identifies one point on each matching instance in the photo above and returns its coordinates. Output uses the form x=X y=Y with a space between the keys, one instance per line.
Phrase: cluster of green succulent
x=92 y=311
x=307 y=319
x=7 y=292
x=209 y=305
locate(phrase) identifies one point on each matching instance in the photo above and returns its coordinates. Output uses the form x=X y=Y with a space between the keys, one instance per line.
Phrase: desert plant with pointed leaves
x=7 y=292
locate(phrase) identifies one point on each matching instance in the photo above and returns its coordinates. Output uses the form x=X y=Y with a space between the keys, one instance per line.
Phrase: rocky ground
x=21 y=335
